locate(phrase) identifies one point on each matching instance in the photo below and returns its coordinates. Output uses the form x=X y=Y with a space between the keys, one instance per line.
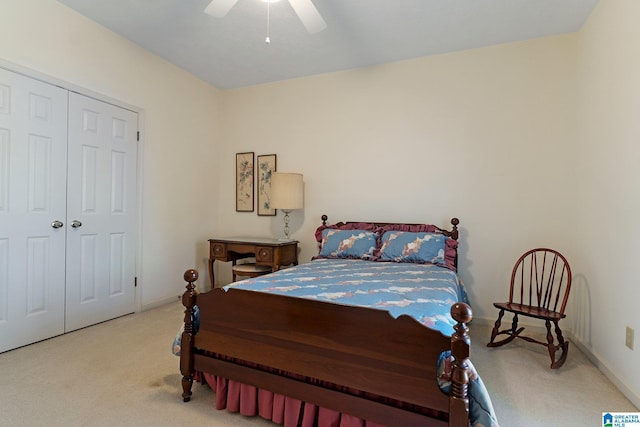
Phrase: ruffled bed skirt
x=251 y=401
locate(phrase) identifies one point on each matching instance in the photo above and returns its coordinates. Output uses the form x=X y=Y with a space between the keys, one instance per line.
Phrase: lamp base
x=286 y=226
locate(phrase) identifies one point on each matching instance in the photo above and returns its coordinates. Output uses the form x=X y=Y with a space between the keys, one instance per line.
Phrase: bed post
x=454 y=230
x=460 y=345
x=186 y=345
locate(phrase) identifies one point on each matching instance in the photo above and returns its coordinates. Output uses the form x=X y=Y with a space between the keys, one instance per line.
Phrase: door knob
x=57 y=224
x=76 y=224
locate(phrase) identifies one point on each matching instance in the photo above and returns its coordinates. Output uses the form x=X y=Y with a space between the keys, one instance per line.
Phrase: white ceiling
x=231 y=52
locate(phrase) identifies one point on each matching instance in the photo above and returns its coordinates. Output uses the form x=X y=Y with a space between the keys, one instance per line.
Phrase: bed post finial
x=324 y=219
x=186 y=343
x=454 y=231
x=460 y=346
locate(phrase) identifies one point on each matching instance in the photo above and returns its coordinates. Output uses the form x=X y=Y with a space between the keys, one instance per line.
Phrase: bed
x=319 y=345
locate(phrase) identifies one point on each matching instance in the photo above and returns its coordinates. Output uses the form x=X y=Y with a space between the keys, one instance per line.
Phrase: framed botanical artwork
x=244 y=182
x=266 y=166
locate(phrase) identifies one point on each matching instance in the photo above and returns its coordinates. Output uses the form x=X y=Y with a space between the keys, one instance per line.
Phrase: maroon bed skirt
x=251 y=401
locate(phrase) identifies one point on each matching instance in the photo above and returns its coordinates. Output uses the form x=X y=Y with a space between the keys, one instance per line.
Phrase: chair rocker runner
x=540 y=285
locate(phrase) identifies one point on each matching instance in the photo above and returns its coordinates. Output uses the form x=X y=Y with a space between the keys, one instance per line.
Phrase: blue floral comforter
x=424 y=291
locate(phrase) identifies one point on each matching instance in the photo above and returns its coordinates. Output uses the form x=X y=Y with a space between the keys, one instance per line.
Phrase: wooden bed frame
x=355 y=347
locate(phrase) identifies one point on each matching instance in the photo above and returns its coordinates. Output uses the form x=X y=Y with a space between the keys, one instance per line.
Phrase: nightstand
x=267 y=252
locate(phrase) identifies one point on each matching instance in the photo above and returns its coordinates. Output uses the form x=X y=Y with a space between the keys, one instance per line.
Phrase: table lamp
x=287 y=194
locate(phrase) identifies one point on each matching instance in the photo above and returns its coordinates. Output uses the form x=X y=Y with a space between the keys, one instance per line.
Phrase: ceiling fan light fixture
x=306 y=11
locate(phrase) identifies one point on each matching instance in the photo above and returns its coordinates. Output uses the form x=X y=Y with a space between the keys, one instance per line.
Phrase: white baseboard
x=160 y=302
x=604 y=368
x=600 y=364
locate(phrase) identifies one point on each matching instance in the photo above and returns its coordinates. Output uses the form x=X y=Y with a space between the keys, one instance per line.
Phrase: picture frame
x=244 y=182
x=266 y=165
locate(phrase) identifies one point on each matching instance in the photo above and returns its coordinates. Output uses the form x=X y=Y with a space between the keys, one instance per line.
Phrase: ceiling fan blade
x=219 y=8
x=309 y=15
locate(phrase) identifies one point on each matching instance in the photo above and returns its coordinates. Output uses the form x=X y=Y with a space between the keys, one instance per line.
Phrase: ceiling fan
x=305 y=10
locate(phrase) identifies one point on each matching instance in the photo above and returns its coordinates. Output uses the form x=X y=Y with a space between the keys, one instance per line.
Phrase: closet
x=68 y=221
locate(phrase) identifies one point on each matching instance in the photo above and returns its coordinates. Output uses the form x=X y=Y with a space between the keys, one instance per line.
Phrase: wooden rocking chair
x=540 y=285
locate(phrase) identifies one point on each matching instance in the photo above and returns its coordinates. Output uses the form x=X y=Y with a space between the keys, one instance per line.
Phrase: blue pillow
x=418 y=247
x=177 y=341
x=359 y=244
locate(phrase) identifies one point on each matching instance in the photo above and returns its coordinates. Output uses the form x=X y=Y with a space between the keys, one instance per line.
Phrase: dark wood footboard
x=358 y=348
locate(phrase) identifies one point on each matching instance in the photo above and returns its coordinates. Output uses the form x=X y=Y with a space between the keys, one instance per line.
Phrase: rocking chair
x=540 y=285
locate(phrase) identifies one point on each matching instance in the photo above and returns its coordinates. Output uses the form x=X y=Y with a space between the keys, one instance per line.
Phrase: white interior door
x=101 y=212
x=33 y=159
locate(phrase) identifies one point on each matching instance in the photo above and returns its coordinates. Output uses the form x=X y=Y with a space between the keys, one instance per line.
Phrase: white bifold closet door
x=33 y=183
x=67 y=210
x=101 y=212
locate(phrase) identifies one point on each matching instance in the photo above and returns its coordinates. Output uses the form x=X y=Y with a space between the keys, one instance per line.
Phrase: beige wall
x=482 y=135
x=607 y=206
x=180 y=132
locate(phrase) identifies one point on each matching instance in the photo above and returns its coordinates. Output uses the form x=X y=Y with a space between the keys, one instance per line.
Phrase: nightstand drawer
x=264 y=254
x=218 y=251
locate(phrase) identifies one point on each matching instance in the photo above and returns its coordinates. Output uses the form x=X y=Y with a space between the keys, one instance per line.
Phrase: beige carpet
x=122 y=373
x=526 y=392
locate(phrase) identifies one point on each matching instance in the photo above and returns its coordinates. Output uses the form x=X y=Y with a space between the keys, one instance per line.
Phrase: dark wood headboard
x=453 y=233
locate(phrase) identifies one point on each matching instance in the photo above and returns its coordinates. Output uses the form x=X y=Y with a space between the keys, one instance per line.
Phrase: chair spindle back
x=541 y=278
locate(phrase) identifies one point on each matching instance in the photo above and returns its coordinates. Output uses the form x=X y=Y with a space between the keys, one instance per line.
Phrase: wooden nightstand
x=268 y=252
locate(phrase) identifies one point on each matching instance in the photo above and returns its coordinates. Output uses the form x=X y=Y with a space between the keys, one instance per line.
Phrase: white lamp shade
x=287 y=191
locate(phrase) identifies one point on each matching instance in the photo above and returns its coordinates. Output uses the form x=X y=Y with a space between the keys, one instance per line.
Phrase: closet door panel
x=102 y=198
x=33 y=163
